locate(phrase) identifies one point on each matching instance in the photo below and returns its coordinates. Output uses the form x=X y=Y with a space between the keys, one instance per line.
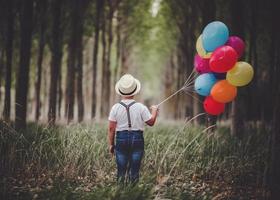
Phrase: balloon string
x=193 y=97
x=189 y=78
x=171 y=96
x=187 y=83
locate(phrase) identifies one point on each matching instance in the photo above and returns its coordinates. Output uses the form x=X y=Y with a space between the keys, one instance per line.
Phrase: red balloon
x=213 y=107
x=223 y=59
x=237 y=44
x=201 y=65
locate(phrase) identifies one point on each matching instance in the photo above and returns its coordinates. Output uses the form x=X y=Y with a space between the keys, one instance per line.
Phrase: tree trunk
x=238 y=29
x=169 y=109
x=274 y=183
x=56 y=50
x=79 y=67
x=273 y=171
x=99 y=13
x=254 y=111
x=71 y=63
x=60 y=94
x=118 y=49
x=124 y=53
x=23 y=72
x=178 y=84
x=1 y=70
x=104 y=69
x=42 y=8
x=108 y=65
x=80 y=99
x=9 y=58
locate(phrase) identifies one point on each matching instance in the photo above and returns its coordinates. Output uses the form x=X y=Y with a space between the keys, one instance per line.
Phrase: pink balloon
x=237 y=44
x=201 y=65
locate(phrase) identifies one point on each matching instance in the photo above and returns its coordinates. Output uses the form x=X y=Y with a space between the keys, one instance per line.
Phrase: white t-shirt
x=139 y=114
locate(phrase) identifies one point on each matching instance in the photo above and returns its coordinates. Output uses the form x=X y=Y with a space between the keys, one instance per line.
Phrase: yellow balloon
x=200 y=49
x=241 y=74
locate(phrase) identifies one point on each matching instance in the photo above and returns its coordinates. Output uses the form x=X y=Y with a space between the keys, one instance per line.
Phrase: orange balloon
x=223 y=92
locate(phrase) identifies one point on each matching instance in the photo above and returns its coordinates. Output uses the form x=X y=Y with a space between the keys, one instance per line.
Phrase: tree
x=80 y=28
x=1 y=71
x=75 y=60
x=56 y=50
x=42 y=19
x=238 y=29
x=118 y=48
x=99 y=13
x=9 y=58
x=26 y=16
x=273 y=172
x=105 y=68
x=183 y=12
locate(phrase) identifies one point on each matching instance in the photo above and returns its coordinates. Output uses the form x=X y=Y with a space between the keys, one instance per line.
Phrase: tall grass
x=180 y=162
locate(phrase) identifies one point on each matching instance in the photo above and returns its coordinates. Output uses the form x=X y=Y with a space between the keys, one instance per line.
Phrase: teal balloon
x=204 y=83
x=214 y=35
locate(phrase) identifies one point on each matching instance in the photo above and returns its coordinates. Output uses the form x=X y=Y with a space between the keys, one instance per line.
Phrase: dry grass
x=72 y=162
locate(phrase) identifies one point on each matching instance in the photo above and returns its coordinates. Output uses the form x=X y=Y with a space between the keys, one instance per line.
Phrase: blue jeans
x=129 y=153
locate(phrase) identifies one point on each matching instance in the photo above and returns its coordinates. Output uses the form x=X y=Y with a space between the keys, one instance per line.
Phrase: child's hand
x=154 y=109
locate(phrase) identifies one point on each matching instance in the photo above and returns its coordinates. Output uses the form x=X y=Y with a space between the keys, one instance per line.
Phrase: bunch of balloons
x=220 y=71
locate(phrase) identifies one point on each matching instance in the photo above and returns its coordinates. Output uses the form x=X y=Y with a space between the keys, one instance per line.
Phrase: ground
x=181 y=162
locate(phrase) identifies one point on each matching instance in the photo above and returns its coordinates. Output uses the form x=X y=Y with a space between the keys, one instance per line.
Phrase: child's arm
x=154 y=112
x=111 y=135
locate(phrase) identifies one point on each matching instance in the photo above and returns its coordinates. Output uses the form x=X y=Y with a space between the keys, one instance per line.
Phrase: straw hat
x=128 y=86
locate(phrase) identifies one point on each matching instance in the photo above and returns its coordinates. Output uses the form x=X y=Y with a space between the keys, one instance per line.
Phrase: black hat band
x=129 y=92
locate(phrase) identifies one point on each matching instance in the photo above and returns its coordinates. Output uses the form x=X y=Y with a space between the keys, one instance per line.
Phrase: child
x=127 y=118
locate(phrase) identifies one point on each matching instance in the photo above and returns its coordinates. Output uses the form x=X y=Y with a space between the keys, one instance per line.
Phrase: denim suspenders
x=127 y=112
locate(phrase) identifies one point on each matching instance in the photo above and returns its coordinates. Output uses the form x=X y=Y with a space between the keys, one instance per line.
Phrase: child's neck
x=127 y=98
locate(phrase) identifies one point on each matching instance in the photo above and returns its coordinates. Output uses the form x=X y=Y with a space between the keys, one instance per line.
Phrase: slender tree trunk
x=9 y=58
x=40 y=57
x=23 y=72
x=108 y=65
x=80 y=98
x=272 y=178
x=169 y=109
x=60 y=94
x=254 y=112
x=237 y=115
x=71 y=63
x=45 y=89
x=124 y=53
x=104 y=68
x=1 y=71
x=99 y=13
x=180 y=109
x=79 y=67
x=56 y=58
x=274 y=172
x=118 y=49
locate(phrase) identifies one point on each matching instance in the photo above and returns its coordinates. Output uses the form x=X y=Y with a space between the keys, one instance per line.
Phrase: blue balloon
x=204 y=83
x=215 y=34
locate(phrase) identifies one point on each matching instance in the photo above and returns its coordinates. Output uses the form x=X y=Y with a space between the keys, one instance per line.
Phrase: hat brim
x=134 y=93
